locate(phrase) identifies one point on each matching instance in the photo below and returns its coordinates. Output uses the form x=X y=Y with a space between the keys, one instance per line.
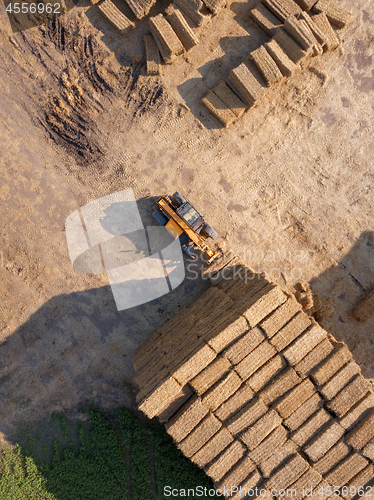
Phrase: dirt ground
x=289 y=187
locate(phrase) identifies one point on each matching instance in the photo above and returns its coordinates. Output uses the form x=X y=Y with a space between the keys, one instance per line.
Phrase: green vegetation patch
x=107 y=457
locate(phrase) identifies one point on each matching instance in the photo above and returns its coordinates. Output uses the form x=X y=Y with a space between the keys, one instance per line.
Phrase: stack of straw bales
x=255 y=392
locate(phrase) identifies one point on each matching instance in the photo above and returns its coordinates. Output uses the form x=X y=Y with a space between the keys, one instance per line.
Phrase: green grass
x=108 y=457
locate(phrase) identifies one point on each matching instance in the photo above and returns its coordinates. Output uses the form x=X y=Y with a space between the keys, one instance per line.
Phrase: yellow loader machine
x=178 y=214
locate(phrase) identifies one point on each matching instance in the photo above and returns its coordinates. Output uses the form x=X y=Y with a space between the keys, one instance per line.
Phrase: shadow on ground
x=347 y=285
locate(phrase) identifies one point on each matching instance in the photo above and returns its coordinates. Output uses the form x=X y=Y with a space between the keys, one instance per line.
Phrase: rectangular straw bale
x=213 y=447
x=291 y=6
x=335 y=13
x=317 y=32
x=291 y=331
x=266 y=65
x=361 y=434
x=289 y=403
x=262 y=428
x=153 y=368
x=301 y=33
x=181 y=424
x=251 y=412
x=167 y=41
x=265 y=19
x=332 y=457
x=295 y=29
x=295 y=467
x=248 y=484
x=148 y=380
x=219 y=331
x=195 y=364
x=338 y=381
x=358 y=411
x=136 y=7
x=115 y=16
x=152 y=55
x=324 y=441
x=284 y=63
x=206 y=301
x=208 y=318
x=338 y=358
x=192 y=10
x=236 y=287
x=239 y=278
x=368 y=450
x=291 y=48
x=181 y=27
x=323 y=24
x=245 y=82
x=200 y=435
x=241 y=397
x=255 y=360
x=306 y=4
x=365 y=310
x=182 y=323
x=304 y=344
x=218 y=108
x=225 y=388
x=244 y=345
x=362 y=479
x=179 y=400
x=269 y=445
x=305 y=411
x=147 y=5
x=285 y=381
x=178 y=353
x=308 y=430
x=262 y=376
x=349 y=396
x=346 y=470
x=310 y=479
x=162 y=397
x=226 y=336
x=232 y=101
x=278 y=456
x=225 y=461
x=210 y=375
x=151 y=350
x=282 y=9
x=182 y=344
x=262 y=303
x=314 y=358
x=281 y=315
x=177 y=357
x=317 y=47
x=237 y=474
x=323 y=492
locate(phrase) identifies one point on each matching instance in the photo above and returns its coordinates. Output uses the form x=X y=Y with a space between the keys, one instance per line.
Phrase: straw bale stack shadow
x=254 y=391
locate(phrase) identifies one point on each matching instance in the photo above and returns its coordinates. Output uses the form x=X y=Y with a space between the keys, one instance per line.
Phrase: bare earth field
x=290 y=187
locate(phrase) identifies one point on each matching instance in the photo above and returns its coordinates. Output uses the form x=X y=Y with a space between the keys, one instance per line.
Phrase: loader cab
x=190 y=215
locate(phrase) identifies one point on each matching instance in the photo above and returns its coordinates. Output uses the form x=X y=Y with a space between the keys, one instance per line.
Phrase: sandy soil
x=289 y=187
